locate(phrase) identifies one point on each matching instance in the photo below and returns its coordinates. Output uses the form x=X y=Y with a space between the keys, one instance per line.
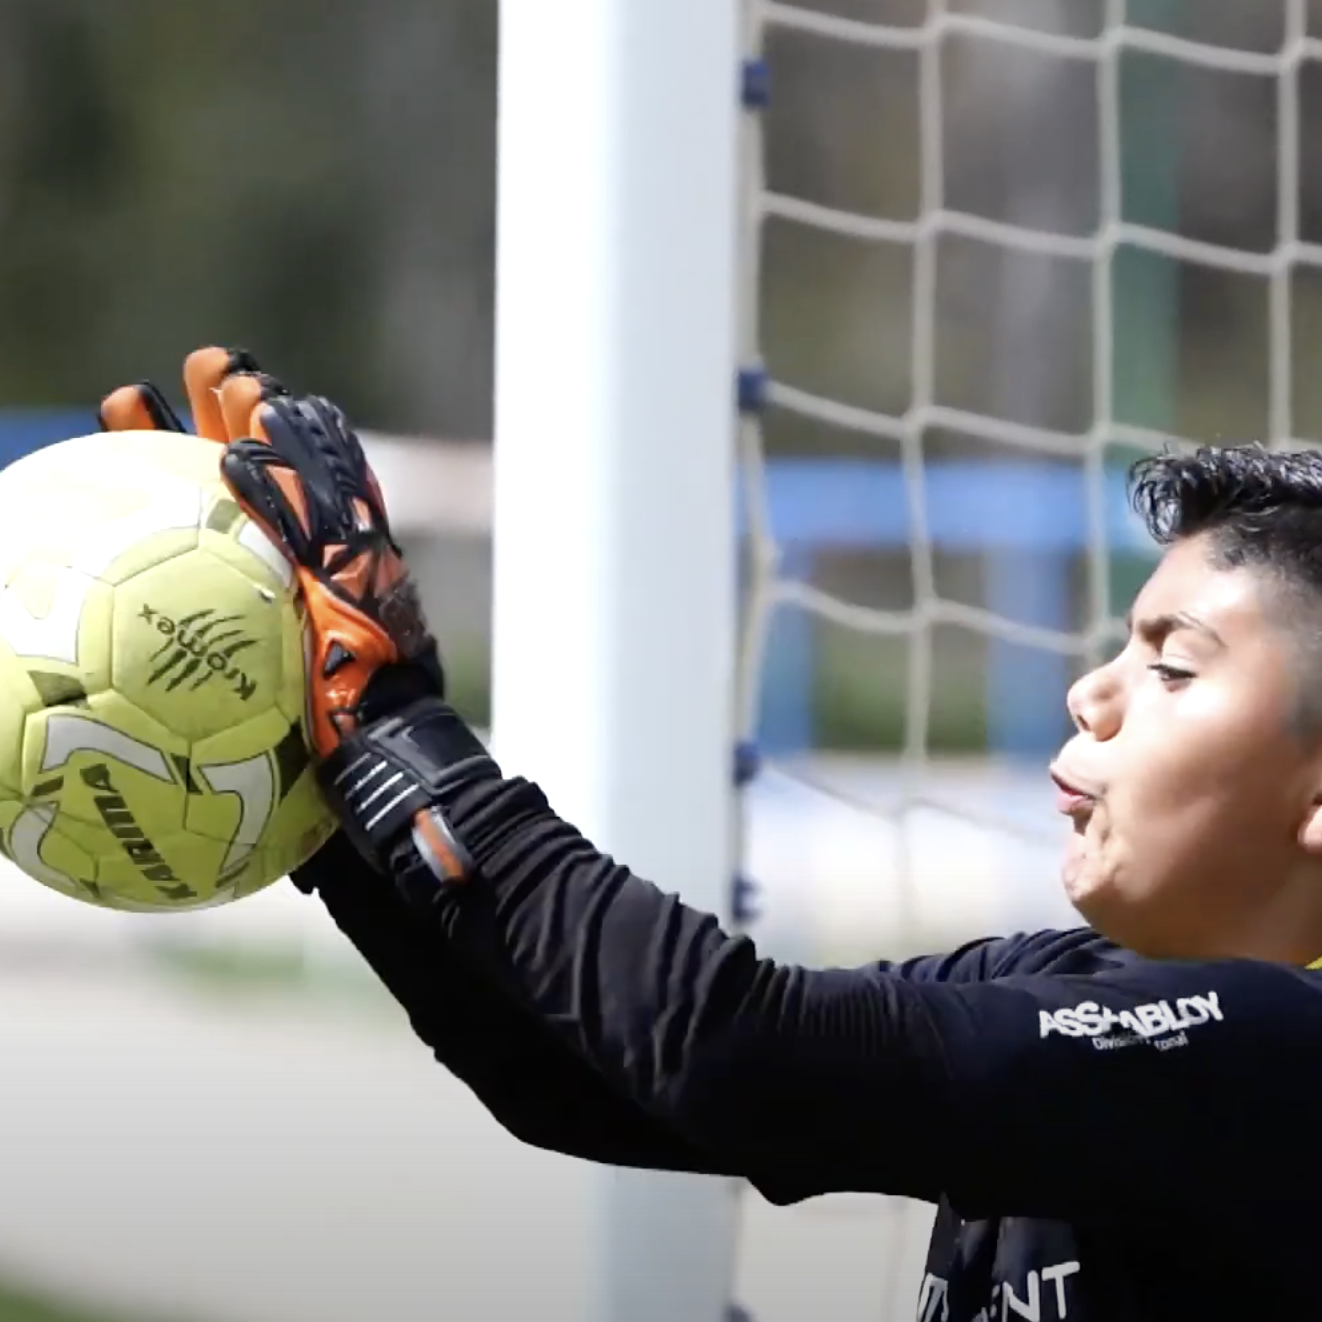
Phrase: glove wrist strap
x=386 y=779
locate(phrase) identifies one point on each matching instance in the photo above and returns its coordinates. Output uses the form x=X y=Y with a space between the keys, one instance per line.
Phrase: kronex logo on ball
x=199 y=647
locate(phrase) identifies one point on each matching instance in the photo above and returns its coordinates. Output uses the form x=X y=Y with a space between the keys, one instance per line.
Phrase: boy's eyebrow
x=1158 y=626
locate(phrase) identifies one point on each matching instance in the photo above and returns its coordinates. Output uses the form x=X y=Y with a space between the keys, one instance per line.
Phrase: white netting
x=1142 y=171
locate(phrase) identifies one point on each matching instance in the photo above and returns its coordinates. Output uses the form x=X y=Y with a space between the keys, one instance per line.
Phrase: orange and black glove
x=300 y=473
x=386 y=741
x=298 y=470
x=143 y=407
x=389 y=746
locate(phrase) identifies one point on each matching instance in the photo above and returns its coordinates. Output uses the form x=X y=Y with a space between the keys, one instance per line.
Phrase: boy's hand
x=143 y=407
x=298 y=470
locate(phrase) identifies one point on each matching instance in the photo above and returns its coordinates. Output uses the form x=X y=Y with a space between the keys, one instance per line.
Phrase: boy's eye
x=1169 y=674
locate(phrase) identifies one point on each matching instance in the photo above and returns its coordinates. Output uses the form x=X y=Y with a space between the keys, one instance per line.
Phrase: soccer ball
x=152 y=745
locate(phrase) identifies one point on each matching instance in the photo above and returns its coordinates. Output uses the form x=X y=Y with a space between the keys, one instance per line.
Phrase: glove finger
x=269 y=492
x=347 y=442
x=316 y=439
x=205 y=371
x=240 y=399
x=299 y=463
x=139 y=407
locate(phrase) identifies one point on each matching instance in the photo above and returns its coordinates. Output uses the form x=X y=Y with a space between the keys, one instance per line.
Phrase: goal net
x=995 y=249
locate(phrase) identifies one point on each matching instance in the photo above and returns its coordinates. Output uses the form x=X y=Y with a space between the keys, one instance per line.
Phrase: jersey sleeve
x=522 y=1072
x=1077 y=949
x=1032 y=1094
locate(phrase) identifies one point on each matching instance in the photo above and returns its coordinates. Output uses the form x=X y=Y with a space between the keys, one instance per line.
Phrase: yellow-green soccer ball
x=152 y=745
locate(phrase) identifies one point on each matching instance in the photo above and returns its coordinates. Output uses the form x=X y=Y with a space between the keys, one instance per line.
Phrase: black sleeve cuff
x=387 y=782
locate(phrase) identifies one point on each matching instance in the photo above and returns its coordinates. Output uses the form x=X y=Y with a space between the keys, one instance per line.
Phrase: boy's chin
x=1129 y=923
x=1095 y=897
x=1079 y=875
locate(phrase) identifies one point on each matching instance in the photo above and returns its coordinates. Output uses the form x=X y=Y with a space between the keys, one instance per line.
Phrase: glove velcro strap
x=385 y=781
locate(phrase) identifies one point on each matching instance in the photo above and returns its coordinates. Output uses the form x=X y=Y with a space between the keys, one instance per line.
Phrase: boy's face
x=1192 y=790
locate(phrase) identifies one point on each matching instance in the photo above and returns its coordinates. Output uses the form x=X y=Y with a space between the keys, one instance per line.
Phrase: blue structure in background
x=1029 y=519
x=22 y=430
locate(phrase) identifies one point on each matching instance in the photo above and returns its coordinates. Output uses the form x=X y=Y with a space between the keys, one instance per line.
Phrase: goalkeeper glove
x=301 y=475
x=388 y=744
x=299 y=472
x=142 y=406
x=297 y=468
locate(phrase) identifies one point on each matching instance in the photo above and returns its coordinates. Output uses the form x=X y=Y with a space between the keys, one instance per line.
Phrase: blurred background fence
x=315 y=181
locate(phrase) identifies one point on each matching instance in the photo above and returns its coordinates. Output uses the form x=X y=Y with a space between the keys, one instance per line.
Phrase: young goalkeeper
x=1116 y=1122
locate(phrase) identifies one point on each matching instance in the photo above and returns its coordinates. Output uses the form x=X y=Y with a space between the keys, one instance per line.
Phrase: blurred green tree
x=313 y=179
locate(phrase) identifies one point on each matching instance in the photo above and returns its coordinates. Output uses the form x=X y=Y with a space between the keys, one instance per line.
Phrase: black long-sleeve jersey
x=1105 y=1137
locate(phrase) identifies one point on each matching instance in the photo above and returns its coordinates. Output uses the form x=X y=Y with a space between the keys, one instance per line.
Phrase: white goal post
x=614 y=605
x=644 y=245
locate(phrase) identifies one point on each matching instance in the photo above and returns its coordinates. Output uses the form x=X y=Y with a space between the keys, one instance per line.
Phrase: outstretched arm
x=530 y=1080
x=826 y=1080
x=302 y=476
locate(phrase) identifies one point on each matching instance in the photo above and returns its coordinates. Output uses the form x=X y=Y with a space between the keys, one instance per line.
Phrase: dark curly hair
x=1257 y=506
